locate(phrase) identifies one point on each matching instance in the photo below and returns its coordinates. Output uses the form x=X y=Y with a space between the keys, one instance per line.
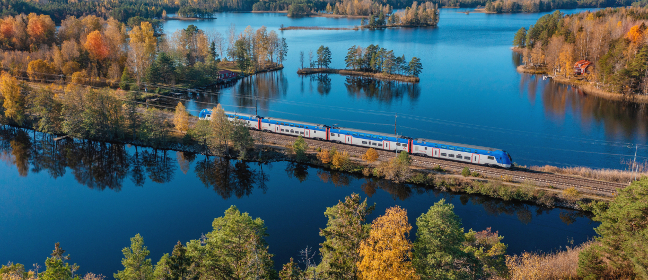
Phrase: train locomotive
x=384 y=141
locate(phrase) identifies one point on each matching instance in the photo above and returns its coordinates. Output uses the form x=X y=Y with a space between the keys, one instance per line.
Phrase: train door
x=386 y=145
x=348 y=139
x=435 y=152
x=307 y=133
x=475 y=158
x=277 y=128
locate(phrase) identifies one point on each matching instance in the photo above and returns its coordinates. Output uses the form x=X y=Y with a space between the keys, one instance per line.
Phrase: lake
x=92 y=197
x=469 y=92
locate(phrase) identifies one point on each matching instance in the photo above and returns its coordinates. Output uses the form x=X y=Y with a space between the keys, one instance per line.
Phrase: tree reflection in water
x=230 y=177
x=560 y=101
x=103 y=166
x=383 y=91
x=263 y=87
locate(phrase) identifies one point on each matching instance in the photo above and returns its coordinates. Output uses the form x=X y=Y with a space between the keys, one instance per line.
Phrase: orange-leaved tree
x=371 y=155
x=96 y=45
x=387 y=253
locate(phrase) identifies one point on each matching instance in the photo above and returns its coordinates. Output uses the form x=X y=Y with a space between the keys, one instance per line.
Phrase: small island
x=372 y=61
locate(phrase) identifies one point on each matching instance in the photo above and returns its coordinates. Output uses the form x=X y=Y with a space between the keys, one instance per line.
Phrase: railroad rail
x=557 y=181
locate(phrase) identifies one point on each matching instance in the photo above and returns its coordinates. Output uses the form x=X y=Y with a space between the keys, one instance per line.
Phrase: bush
x=474 y=174
x=465 y=172
x=571 y=194
x=438 y=168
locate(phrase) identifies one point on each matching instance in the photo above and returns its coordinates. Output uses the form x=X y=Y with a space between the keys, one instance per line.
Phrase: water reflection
x=382 y=91
x=229 y=178
x=263 y=87
x=560 y=101
x=103 y=166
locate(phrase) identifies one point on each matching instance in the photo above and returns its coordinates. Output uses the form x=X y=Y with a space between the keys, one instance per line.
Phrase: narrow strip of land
x=347 y=72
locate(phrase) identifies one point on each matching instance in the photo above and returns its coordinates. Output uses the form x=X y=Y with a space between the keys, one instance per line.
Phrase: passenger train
x=370 y=139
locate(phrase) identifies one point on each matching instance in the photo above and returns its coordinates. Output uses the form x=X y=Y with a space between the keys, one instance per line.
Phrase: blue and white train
x=383 y=141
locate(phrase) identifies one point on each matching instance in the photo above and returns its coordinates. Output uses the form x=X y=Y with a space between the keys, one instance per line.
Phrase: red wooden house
x=226 y=75
x=582 y=67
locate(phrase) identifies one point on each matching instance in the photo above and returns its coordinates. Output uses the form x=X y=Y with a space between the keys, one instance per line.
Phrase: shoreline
x=586 y=87
x=346 y=72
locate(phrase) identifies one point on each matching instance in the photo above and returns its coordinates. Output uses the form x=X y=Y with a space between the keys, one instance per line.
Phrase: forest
x=355 y=248
x=535 y=6
x=613 y=39
x=104 y=52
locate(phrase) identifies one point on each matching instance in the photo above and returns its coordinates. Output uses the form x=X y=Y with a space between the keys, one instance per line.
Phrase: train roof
x=292 y=121
x=455 y=144
x=370 y=132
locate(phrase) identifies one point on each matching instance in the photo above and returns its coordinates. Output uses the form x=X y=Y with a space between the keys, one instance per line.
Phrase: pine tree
x=345 y=230
x=520 y=36
x=300 y=147
x=415 y=66
x=136 y=265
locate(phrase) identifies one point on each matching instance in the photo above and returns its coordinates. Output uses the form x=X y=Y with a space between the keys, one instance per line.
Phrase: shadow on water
x=101 y=166
x=382 y=91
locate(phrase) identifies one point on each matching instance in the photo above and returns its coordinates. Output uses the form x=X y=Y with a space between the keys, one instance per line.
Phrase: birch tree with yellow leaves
x=387 y=252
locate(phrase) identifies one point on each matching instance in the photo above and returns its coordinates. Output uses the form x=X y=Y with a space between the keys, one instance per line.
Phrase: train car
x=295 y=128
x=369 y=139
x=461 y=152
x=251 y=121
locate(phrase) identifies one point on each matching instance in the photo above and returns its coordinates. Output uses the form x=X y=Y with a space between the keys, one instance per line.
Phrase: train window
x=443 y=147
x=491 y=158
x=364 y=142
x=459 y=157
x=374 y=137
x=332 y=134
x=355 y=134
x=426 y=148
x=302 y=133
x=467 y=150
x=374 y=144
x=380 y=138
x=398 y=144
x=282 y=129
x=451 y=155
x=443 y=154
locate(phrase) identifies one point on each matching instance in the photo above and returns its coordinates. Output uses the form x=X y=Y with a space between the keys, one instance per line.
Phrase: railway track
x=557 y=181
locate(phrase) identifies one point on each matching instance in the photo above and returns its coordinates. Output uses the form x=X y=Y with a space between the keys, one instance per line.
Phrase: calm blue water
x=92 y=197
x=469 y=92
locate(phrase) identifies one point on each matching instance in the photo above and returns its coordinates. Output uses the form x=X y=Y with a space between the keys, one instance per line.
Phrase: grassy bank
x=608 y=175
x=379 y=76
x=317 y=28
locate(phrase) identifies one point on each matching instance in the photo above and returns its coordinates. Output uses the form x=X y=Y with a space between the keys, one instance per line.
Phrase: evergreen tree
x=240 y=241
x=291 y=271
x=126 y=80
x=520 y=36
x=323 y=57
x=438 y=250
x=623 y=235
x=179 y=262
x=136 y=265
x=345 y=230
x=299 y=147
x=415 y=66
x=241 y=138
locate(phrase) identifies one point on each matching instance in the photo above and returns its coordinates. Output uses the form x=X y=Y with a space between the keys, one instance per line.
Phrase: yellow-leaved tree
x=371 y=155
x=387 y=253
x=14 y=101
x=324 y=156
x=181 y=118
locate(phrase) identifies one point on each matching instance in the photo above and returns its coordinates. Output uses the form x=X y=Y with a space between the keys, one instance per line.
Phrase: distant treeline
x=534 y=6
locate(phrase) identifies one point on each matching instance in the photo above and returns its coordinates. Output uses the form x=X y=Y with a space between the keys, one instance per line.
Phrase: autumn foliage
x=96 y=45
x=371 y=155
x=324 y=156
x=387 y=252
x=181 y=118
